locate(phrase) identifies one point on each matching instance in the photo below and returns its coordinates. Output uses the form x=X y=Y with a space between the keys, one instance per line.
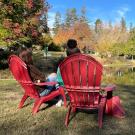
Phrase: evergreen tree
x=44 y=21
x=83 y=17
x=68 y=18
x=57 y=22
x=71 y=17
x=44 y=24
x=123 y=25
x=74 y=17
x=98 y=26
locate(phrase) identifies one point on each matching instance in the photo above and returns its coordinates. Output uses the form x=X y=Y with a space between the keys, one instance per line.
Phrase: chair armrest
x=109 y=88
x=46 y=83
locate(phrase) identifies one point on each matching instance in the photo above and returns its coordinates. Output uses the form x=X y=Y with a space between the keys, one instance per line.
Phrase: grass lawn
x=50 y=120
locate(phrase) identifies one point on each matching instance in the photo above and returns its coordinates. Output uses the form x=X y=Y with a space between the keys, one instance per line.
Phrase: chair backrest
x=81 y=75
x=20 y=72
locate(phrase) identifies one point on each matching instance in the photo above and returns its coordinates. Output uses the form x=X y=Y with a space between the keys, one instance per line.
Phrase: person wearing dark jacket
x=35 y=74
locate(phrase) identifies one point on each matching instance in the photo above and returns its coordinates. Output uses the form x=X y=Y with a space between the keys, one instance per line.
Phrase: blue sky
x=107 y=10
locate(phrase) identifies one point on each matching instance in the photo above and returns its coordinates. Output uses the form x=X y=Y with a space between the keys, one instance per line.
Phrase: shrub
x=53 y=47
x=4 y=54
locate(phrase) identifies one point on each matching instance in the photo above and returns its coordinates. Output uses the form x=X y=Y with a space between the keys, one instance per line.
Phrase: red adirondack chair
x=81 y=75
x=20 y=73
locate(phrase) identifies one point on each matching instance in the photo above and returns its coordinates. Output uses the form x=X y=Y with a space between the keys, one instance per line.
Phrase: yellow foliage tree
x=79 y=31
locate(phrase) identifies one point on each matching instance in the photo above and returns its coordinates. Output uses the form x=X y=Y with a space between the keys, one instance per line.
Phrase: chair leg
x=22 y=101
x=101 y=112
x=74 y=109
x=67 y=116
x=100 y=116
x=64 y=96
x=37 y=105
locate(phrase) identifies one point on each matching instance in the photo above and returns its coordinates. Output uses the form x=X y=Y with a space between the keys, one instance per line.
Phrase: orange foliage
x=79 y=31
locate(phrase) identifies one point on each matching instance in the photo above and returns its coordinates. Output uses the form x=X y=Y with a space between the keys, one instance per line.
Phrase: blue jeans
x=49 y=89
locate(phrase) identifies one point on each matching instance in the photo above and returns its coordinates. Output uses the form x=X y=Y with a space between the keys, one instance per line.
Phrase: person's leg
x=45 y=92
x=52 y=78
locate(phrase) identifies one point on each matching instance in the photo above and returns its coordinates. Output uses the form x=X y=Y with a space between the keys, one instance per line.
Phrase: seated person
x=36 y=76
x=72 y=47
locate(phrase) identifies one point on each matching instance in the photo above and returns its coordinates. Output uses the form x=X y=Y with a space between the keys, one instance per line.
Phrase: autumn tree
x=111 y=41
x=62 y=36
x=20 y=20
x=79 y=31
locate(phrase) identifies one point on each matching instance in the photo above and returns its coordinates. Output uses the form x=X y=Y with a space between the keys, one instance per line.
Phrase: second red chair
x=20 y=73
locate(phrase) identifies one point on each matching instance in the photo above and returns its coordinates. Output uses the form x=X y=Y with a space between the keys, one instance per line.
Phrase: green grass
x=50 y=121
x=5 y=74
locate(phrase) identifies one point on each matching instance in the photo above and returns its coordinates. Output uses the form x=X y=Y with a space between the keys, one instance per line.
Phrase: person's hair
x=72 y=43
x=21 y=49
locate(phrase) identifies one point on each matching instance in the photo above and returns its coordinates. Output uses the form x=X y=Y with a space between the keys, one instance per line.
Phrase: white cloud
x=122 y=11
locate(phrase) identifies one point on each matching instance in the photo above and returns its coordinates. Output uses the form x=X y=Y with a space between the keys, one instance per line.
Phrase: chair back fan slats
x=82 y=77
x=20 y=72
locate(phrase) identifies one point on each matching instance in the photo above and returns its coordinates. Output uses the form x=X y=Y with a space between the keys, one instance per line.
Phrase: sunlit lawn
x=50 y=120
